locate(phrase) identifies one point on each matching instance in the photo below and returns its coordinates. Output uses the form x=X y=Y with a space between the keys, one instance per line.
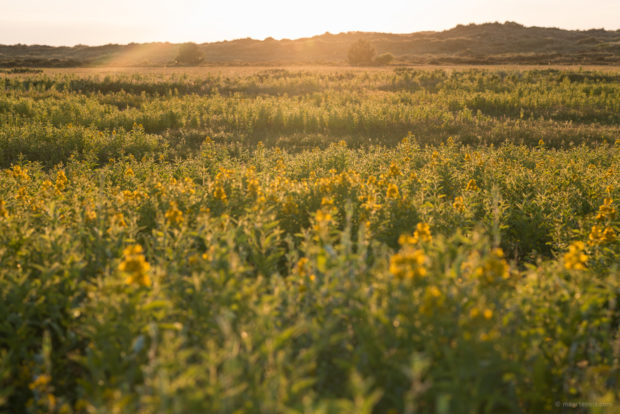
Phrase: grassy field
x=310 y=241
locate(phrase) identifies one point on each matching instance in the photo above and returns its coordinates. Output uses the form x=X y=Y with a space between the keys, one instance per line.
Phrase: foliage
x=50 y=118
x=384 y=59
x=142 y=272
x=361 y=53
x=189 y=54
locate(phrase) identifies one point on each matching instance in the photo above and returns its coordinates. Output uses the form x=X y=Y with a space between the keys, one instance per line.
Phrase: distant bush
x=361 y=53
x=189 y=54
x=384 y=59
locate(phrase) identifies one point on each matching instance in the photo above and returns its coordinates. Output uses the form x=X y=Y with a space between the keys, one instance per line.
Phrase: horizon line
x=507 y=22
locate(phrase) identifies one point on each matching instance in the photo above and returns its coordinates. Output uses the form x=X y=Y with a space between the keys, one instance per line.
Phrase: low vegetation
x=213 y=244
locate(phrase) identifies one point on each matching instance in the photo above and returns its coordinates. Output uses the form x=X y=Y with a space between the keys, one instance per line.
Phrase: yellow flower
x=174 y=215
x=606 y=210
x=488 y=313
x=300 y=268
x=434 y=292
x=188 y=186
x=4 y=213
x=159 y=188
x=61 y=181
x=409 y=263
x=599 y=235
x=392 y=191
x=422 y=233
x=19 y=173
x=394 y=170
x=493 y=268
x=119 y=220
x=467 y=157
x=135 y=266
x=129 y=172
x=253 y=186
x=220 y=193
x=40 y=382
x=472 y=186
x=324 y=217
x=596 y=235
x=459 y=204
x=609 y=235
x=90 y=215
x=46 y=185
x=327 y=201
x=575 y=258
x=21 y=194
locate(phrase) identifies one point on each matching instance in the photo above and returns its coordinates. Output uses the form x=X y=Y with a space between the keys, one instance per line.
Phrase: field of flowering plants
x=382 y=241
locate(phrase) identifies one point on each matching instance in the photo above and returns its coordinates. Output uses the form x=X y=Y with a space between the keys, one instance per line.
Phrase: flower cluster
x=135 y=266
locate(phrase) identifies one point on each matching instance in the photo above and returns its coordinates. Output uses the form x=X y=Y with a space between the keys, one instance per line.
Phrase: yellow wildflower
x=300 y=268
x=609 y=235
x=90 y=215
x=472 y=186
x=174 y=215
x=606 y=210
x=220 y=193
x=394 y=170
x=159 y=188
x=129 y=172
x=253 y=186
x=40 y=382
x=599 y=235
x=459 y=204
x=4 y=213
x=392 y=191
x=324 y=217
x=21 y=194
x=188 y=186
x=61 y=181
x=119 y=220
x=46 y=185
x=493 y=268
x=19 y=173
x=422 y=233
x=409 y=263
x=135 y=266
x=575 y=258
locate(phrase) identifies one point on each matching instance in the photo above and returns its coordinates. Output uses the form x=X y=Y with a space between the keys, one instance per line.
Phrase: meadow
x=299 y=241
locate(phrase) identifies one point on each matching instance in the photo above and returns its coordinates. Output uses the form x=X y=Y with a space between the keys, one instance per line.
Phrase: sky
x=71 y=22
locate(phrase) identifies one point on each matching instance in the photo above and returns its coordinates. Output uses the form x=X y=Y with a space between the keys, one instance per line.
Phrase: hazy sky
x=70 y=22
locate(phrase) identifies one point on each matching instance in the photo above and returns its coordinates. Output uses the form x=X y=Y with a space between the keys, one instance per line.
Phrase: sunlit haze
x=70 y=22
